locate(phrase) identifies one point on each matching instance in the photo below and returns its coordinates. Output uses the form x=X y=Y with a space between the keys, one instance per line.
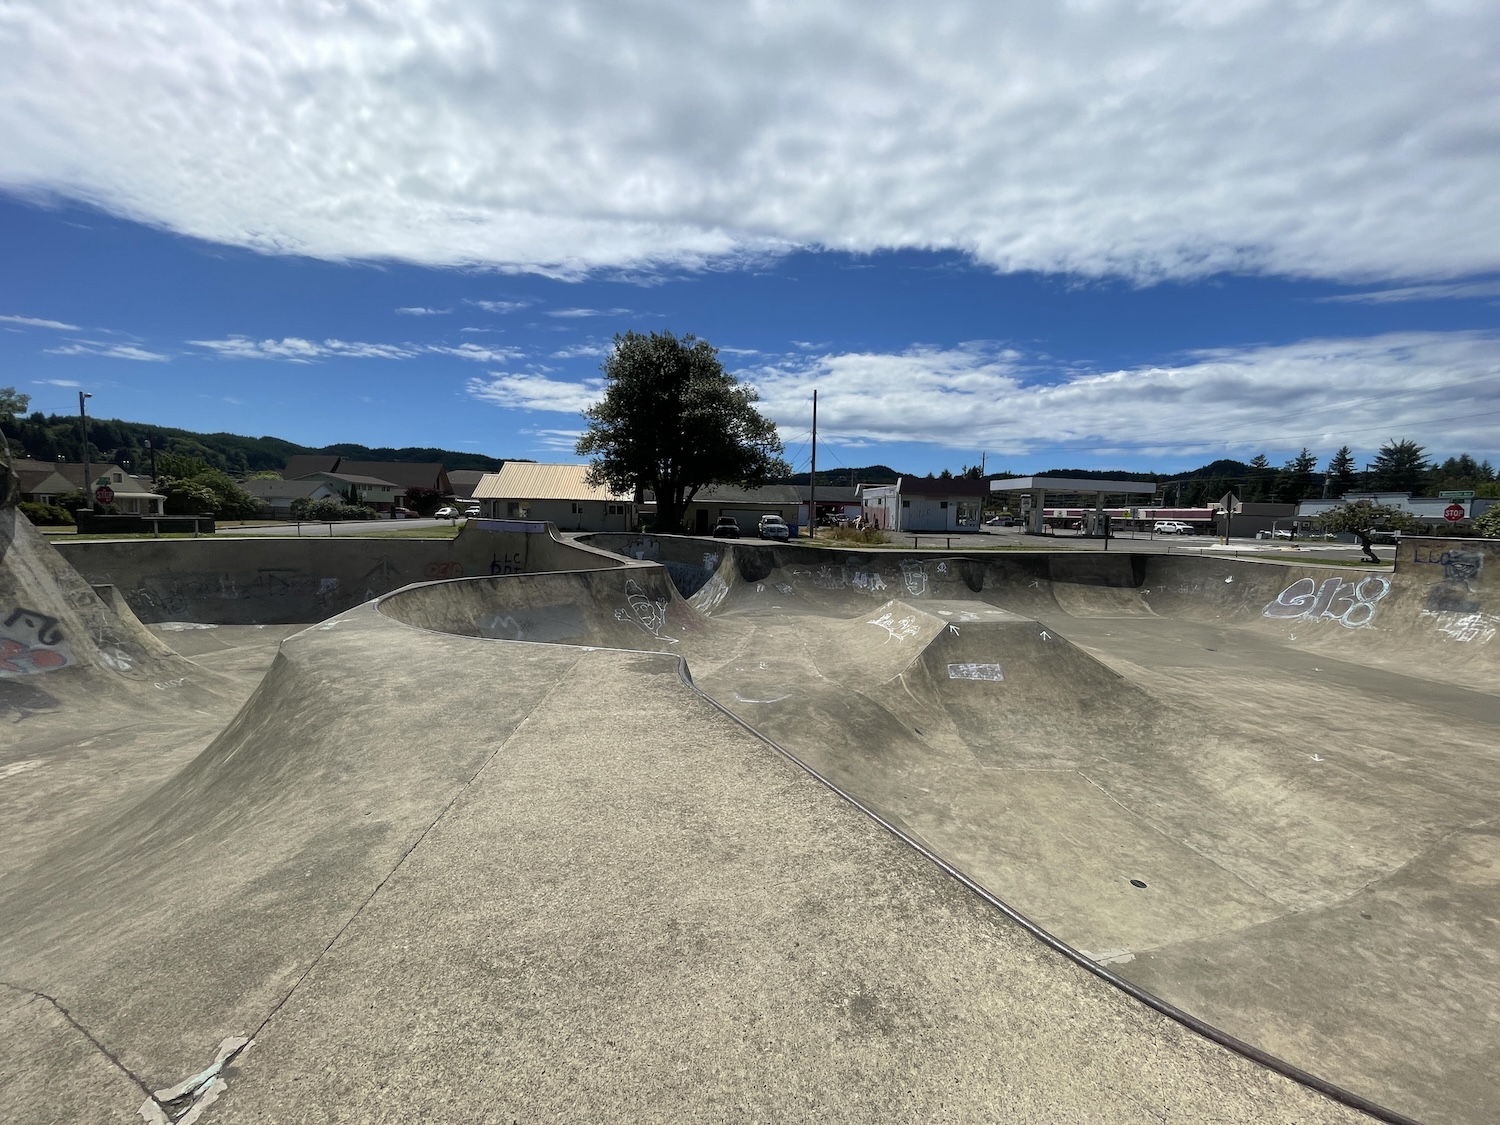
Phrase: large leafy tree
x=191 y=487
x=672 y=421
x=1362 y=517
x=12 y=402
x=1400 y=466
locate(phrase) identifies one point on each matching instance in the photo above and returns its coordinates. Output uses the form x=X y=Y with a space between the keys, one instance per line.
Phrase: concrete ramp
x=62 y=645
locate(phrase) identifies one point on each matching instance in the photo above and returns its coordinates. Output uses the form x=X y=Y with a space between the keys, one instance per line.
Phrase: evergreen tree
x=1295 y=481
x=1460 y=472
x=1400 y=466
x=1261 y=480
x=1341 y=478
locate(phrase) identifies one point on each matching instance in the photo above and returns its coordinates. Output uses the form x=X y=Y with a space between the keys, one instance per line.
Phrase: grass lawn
x=446 y=532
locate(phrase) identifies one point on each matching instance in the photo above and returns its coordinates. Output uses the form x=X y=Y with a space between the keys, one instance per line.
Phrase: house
x=465 y=481
x=404 y=474
x=47 y=482
x=745 y=505
x=925 y=504
x=558 y=494
x=372 y=492
x=279 y=494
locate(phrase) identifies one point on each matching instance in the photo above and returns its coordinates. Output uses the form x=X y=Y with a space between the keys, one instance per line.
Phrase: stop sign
x=104 y=494
x=1453 y=513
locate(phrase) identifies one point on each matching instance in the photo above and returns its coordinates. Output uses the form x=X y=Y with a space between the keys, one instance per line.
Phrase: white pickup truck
x=1172 y=527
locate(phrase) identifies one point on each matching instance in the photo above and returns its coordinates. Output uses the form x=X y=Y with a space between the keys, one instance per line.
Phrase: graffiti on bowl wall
x=31 y=642
x=1352 y=604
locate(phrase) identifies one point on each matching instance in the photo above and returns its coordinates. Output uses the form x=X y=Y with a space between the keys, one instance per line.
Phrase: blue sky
x=1105 y=235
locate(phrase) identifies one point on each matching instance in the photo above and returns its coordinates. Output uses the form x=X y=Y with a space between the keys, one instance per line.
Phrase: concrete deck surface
x=436 y=869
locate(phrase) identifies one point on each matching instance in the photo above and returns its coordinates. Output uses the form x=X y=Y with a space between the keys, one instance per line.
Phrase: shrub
x=1488 y=525
x=869 y=535
x=331 y=509
x=46 y=515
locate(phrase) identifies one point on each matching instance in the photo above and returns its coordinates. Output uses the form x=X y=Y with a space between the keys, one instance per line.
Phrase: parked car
x=472 y=511
x=1172 y=527
x=447 y=512
x=403 y=514
x=726 y=528
x=774 y=527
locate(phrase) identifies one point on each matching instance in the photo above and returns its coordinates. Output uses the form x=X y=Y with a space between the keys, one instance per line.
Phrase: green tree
x=12 y=402
x=1261 y=480
x=1341 y=467
x=1460 y=472
x=1400 y=467
x=191 y=487
x=1295 y=481
x=672 y=421
x=1362 y=517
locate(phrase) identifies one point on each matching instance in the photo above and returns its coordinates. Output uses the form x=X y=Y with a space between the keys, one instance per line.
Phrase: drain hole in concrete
x=1137 y=883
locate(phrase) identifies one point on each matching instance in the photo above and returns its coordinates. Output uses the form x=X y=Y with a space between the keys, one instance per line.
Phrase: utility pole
x=812 y=480
x=83 y=429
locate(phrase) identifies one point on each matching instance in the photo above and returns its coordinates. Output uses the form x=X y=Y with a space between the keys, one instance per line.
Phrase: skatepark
x=518 y=827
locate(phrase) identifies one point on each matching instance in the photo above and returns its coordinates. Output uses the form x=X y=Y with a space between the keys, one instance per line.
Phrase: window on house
x=906 y=503
x=942 y=503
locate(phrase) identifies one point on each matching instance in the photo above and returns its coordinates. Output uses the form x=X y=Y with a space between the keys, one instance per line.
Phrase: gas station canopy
x=1038 y=487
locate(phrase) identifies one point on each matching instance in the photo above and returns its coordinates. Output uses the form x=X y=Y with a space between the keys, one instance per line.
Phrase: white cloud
x=526 y=391
x=498 y=306
x=38 y=322
x=108 y=351
x=418 y=310
x=579 y=351
x=58 y=382
x=293 y=349
x=1436 y=292
x=579 y=313
x=1441 y=389
x=565 y=441
x=479 y=354
x=1157 y=138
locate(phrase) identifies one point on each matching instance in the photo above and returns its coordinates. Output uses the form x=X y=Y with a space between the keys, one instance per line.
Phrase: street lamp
x=83 y=429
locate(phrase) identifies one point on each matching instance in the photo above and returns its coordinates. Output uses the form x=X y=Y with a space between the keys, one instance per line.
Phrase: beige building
x=558 y=494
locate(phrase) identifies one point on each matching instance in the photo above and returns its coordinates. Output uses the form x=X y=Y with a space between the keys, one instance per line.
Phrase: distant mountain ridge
x=54 y=436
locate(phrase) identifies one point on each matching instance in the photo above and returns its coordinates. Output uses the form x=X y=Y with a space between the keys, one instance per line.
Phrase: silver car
x=774 y=527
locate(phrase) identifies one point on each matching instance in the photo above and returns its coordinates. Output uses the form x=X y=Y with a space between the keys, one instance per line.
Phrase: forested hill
x=870 y=474
x=48 y=437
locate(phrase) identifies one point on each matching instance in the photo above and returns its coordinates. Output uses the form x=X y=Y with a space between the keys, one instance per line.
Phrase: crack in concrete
x=37 y=994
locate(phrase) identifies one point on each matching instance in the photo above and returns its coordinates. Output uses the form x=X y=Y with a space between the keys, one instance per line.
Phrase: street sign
x=1460 y=494
x=1230 y=502
x=1453 y=513
x=104 y=494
